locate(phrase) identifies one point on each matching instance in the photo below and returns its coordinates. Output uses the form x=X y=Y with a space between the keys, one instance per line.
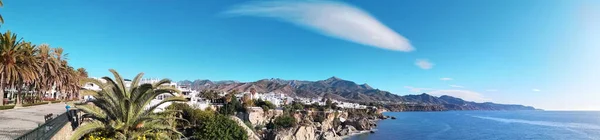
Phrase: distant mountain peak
x=366 y=86
x=334 y=78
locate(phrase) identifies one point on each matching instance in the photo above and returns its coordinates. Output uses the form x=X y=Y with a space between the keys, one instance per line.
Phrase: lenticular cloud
x=331 y=18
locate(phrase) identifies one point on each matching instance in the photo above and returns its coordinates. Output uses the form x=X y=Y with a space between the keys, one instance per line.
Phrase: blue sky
x=536 y=52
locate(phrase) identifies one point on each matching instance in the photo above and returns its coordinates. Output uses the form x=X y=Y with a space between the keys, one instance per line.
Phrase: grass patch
x=55 y=101
x=34 y=104
x=7 y=107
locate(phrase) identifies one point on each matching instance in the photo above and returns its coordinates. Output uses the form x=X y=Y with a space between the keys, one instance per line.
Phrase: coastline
x=357 y=133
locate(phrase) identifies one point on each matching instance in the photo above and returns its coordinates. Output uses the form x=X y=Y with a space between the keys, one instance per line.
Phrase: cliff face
x=257 y=116
x=333 y=126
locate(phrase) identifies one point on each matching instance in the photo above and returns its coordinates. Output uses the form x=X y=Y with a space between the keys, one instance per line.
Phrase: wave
x=543 y=123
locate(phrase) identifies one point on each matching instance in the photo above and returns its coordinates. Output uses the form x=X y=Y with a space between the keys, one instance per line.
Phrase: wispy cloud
x=424 y=64
x=417 y=90
x=456 y=86
x=491 y=90
x=536 y=90
x=446 y=79
x=463 y=94
x=331 y=18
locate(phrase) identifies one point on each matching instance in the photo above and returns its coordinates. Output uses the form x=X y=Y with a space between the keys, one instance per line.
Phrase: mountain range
x=344 y=90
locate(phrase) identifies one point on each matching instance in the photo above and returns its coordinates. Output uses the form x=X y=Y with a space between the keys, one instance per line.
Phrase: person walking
x=67 y=106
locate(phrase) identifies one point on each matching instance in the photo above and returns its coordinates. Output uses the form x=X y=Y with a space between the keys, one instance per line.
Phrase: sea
x=487 y=125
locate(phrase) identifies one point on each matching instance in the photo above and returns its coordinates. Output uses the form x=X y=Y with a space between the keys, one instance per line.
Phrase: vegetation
x=247 y=101
x=28 y=67
x=209 y=94
x=205 y=125
x=7 y=107
x=284 y=121
x=34 y=104
x=265 y=105
x=231 y=106
x=121 y=112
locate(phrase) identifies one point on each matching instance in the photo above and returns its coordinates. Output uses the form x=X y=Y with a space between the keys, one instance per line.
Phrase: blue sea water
x=487 y=125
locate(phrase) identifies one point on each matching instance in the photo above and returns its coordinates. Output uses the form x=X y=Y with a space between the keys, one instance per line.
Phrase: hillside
x=344 y=90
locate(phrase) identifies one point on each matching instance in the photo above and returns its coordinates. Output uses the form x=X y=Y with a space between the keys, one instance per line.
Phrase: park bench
x=48 y=117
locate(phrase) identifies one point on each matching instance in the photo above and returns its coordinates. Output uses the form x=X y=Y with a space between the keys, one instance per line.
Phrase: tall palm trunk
x=2 y=90
x=18 y=102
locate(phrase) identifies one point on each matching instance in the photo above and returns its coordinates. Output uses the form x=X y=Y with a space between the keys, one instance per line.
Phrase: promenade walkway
x=16 y=122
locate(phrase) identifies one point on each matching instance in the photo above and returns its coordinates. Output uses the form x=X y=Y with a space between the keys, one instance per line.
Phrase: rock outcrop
x=251 y=134
x=361 y=124
x=257 y=116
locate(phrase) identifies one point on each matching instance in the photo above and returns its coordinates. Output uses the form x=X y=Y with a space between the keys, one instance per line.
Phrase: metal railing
x=47 y=130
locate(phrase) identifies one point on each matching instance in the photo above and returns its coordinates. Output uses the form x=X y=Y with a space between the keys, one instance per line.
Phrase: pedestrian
x=67 y=106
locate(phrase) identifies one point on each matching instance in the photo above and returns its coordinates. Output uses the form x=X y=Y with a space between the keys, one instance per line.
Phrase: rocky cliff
x=334 y=125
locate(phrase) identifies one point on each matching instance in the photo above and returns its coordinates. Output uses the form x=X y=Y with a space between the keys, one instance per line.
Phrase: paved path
x=16 y=122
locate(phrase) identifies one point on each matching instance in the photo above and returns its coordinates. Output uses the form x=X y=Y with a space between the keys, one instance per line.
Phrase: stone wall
x=64 y=133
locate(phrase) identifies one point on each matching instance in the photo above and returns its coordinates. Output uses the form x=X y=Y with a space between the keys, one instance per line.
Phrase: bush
x=265 y=105
x=7 y=107
x=34 y=104
x=232 y=107
x=54 y=102
x=259 y=127
x=219 y=127
x=204 y=125
x=319 y=118
x=284 y=121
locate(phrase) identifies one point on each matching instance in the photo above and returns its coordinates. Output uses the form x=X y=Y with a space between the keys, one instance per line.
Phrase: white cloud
x=536 y=90
x=424 y=64
x=446 y=79
x=417 y=90
x=463 y=94
x=331 y=18
x=456 y=86
x=491 y=90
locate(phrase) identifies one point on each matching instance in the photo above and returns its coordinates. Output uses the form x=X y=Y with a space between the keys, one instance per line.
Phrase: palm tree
x=62 y=70
x=48 y=69
x=1 y=19
x=10 y=59
x=209 y=94
x=126 y=113
x=28 y=69
x=82 y=72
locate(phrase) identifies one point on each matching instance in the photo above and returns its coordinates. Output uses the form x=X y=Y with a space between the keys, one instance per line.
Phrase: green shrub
x=284 y=121
x=265 y=105
x=259 y=127
x=54 y=102
x=7 y=107
x=34 y=104
x=219 y=127
x=319 y=118
x=207 y=124
x=232 y=107
x=247 y=123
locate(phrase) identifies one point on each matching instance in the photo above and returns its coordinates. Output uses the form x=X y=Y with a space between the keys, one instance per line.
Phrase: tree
x=11 y=62
x=82 y=72
x=48 y=71
x=231 y=107
x=209 y=94
x=247 y=101
x=1 y=19
x=328 y=103
x=28 y=69
x=126 y=113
